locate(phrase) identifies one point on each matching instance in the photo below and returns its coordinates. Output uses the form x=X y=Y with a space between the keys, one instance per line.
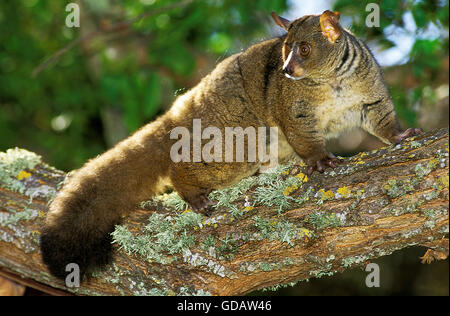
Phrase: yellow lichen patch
x=432 y=164
x=306 y=232
x=171 y=293
x=290 y=189
x=443 y=182
x=388 y=186
x=23 y=175
x=249 y=208
x=328 y=195
x=302 y=177
x=344 y=191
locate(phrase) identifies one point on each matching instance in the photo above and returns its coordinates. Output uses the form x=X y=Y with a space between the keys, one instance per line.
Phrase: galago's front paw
x=405 y=134
x=329 y=160
x=201 y=204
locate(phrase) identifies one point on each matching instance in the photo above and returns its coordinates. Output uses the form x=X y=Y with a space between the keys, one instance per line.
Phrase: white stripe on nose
x=286 y=63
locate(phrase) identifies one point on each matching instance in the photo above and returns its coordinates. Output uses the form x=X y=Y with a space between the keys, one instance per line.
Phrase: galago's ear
x=284 y=23
x=329 y=23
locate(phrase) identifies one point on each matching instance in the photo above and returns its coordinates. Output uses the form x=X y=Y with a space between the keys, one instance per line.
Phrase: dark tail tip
x=88 y=252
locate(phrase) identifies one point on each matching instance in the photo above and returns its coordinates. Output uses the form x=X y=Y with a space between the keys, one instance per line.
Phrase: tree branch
x=268 y=230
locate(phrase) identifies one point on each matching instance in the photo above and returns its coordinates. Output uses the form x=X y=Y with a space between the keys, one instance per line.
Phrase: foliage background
x=106 y=87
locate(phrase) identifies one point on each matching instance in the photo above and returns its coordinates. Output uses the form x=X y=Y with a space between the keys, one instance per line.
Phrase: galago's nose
x=288 y=70
x=287 y=66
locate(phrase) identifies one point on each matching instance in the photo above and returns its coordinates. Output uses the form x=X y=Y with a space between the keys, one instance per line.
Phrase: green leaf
x=420 y=17
x=178 y=58
x=152 y=95
x=219 y=43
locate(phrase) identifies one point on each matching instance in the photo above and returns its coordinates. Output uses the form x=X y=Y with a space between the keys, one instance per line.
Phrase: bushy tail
x=58 y=250
x=78 y=227
x=83 y=214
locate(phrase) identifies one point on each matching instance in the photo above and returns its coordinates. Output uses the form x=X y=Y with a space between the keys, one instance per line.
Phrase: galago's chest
x=337 y=110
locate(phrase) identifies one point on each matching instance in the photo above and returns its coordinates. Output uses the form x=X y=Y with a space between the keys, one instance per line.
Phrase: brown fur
x=341 y=87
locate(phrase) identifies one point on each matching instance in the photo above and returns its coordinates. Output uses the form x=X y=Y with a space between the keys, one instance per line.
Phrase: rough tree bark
x=270 y=230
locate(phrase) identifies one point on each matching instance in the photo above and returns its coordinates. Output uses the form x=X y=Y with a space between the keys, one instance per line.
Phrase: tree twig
x=105 y=30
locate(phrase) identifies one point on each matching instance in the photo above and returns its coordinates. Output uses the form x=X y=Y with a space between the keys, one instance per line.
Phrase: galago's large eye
x=304 y=49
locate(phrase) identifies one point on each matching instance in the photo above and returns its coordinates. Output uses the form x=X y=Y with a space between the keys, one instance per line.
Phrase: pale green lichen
x=326 y=271
x=321 y=220
x=13 y=217
x=172 y=201
x=272 y=195
x=15 y=160
x=13 y=163
x=271 y=266
x=280 y=229
x=161 y=288
x=19 y=234
x=166 y=239
x=197 y=260
x=278 y=193
x=272 y=189
x=163 y=238
x=193 y=292
x=282 y=286
x=411 y=207
x=423 y=170
x=227 y=196
x=396 y=188
x=227 y=247
x=414 y=144
x=269 y=191
x=14 y=176
x=266 y=266
x=208 y=244
x=330 y=258
x=391 y=188
x=354 y=260
x=429 y=213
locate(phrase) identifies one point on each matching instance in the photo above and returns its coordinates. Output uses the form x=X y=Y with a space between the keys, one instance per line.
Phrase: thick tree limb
x=287 y=228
